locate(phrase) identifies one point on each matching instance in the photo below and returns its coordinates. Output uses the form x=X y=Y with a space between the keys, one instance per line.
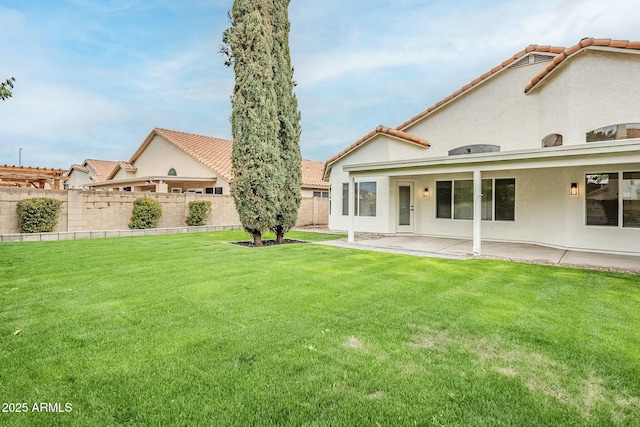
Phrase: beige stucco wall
x=111 y=210
x=77 y=179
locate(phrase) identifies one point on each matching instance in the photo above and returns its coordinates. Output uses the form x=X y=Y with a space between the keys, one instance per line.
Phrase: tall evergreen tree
x=289 y=122
x=258 y=181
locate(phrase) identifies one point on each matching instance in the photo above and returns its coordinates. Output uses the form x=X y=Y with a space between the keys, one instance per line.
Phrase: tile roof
x=103 y=169
x=313 y=174
x=215 y=153
x=583 y=44
x=384 y=130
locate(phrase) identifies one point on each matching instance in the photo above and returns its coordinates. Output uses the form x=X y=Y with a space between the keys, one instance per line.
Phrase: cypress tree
x=289 y=122
x=258 y=181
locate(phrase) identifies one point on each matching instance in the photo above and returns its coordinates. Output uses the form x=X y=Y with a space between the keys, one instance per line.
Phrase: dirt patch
x=429 y=338
x=354 y=342
x=267 y=243
x=376 y=395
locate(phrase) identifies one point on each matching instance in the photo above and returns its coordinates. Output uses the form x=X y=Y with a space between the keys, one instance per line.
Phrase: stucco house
x=90 y=171
x=177 y=162
x=544 y=148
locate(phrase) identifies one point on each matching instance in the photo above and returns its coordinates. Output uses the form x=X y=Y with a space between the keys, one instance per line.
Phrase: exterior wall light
x=425 y=193
x=574 y=189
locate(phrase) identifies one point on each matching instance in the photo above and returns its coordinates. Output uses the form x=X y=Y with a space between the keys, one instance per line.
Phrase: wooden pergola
x=24 y=176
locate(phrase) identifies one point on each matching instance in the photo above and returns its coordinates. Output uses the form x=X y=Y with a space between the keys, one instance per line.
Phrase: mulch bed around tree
x=267 y=243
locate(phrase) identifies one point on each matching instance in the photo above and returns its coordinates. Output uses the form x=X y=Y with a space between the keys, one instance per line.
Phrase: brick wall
x=111 y=210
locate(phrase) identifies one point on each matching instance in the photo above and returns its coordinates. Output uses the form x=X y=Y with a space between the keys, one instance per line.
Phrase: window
x=456 y=197
x=613 y=132
x=463 y=199
x=172 y=172
x=365 y=199
x=176 y=190
x=631 y=199
x=345 y=198
x=213 y=190
x=322 y=194
x=553 y=140
x=443 y=199
x=603 y=194
x=505 y=199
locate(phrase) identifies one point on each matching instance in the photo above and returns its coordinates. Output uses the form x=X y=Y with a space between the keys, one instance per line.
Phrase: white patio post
x=351 y=202
x=477 y=211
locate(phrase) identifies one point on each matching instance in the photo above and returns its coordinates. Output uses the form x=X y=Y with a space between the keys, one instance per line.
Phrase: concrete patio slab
x=463 y=249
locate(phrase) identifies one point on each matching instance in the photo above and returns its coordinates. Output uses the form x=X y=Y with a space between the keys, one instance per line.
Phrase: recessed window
x=172 y=172
x=614 y=132
x=454 y=199
x=552 y=140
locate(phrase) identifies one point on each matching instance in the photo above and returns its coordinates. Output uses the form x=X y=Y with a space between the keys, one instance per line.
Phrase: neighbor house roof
x=559 y=54
x=215 y=153
x=313 y=174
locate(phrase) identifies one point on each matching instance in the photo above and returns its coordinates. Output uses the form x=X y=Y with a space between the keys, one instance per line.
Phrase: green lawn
x=189 y=330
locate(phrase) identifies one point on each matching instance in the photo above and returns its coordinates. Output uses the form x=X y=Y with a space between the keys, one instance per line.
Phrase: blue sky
x=94 y=77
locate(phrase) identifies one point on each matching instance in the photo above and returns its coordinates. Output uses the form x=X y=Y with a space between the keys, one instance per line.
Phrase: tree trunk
x=279 y=234
x=257 y=238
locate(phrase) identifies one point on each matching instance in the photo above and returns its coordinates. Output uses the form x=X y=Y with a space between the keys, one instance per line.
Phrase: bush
x=39 y=214
x=199 y=211
x=146 y=213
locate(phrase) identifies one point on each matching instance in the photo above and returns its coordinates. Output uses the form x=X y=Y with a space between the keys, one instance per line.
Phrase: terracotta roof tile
x=103 y=169
x=573 y=50
x=215 y=153
x=313 y=174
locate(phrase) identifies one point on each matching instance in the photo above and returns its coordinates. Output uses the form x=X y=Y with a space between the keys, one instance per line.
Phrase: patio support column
x=477 y=211
x=351 y=203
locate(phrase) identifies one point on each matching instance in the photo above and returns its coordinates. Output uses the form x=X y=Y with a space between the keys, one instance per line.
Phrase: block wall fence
x=83 y=210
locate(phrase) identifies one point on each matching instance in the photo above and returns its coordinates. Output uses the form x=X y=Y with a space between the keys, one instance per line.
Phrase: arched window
x=552 y=140
x=172 y=172
x=613 y=132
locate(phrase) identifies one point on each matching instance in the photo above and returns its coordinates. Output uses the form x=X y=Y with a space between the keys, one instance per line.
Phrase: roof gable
x=215 y=153
x=585 y=43
x=398 y=134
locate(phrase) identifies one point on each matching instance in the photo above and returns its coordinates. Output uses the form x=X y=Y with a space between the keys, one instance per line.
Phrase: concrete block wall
x=110 y=210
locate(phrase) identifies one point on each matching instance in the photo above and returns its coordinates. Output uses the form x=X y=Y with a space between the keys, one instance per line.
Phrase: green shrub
x=146 y=213
x=199 y=211
x=39 y=214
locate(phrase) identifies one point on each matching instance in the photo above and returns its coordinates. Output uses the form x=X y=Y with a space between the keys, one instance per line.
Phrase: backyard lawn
x=190 y=330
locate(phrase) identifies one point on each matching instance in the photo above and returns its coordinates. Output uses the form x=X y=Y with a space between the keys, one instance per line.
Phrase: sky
x=95 y=77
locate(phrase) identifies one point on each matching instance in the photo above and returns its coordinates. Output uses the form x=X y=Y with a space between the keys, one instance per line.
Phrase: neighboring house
x=177 y=162
x=32 y=177
x=544 y=148
x=90 y=171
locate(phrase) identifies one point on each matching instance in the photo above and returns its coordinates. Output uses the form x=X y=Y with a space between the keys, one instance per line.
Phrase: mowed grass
x=189 y=330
